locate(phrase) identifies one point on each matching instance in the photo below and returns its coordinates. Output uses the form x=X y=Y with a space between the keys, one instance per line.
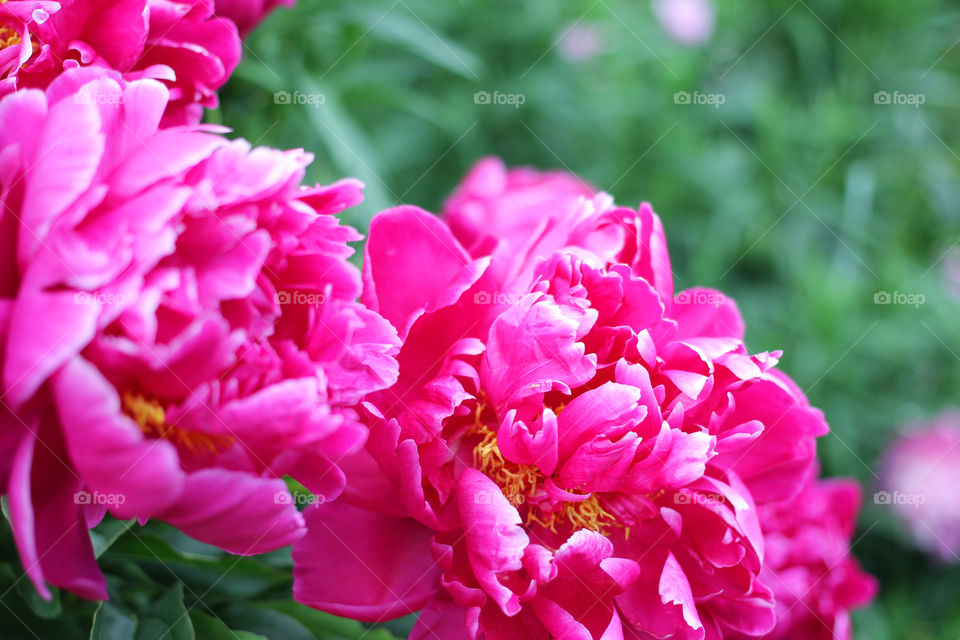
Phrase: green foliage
x=165 y=586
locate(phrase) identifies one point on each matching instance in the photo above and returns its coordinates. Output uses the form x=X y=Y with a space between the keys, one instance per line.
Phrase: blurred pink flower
x=808 y=563
x=178 y=327
x=919 y=475
x=175 y=41
x=247 y=14
x=951 y=274
x=569 y=450
x=580 y=42
x=689 y=22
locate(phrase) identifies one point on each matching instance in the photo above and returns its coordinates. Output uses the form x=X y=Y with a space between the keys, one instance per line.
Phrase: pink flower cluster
x=510 y=420
x=181 y=43
x=178 y=327
x=571 y=450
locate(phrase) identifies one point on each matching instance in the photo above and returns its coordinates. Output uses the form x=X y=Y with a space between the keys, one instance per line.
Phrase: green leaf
x=209 y=628
x=324 y=625
x=248 y=577
x=40 y=607
x=167 y=618
x=413 y=34
x=351 y=150
x=110 y=622
x=108 y=532
x=152 y=629
x=266 y=622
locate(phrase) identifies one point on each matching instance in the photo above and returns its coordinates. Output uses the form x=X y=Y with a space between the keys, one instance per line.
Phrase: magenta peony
x=247 y=14
x=808 y=563
x=919 y=475
x=570 y=450
x=178 y=327
x=177 y=42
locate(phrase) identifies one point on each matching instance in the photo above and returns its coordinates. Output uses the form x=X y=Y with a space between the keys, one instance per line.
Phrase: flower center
x=517 y=481
x=149 y=415
x=8 y=37
x=521 y=482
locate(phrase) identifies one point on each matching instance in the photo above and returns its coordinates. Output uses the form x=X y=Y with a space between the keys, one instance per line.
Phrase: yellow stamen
x=8 y=37
x=151 y=418
x=520 y=482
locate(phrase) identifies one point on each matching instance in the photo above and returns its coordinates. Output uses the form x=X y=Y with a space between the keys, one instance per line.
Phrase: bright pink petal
x=495 y=540
x=362 y=564
x=413 y=265
x=533 y=348
x=707 y=313
x=250 y=515
x=46 y=330
x=108 y=450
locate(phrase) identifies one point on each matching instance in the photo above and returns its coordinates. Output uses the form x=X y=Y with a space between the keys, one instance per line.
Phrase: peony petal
x=533 y=348
x=236 y=511
x=45 y=331
x=362 y=564
x=442 y=618
x=72 y=144
x=139 y=476
x=707 y=313
x=413 y=265
x=495 y=540
x=607 y=411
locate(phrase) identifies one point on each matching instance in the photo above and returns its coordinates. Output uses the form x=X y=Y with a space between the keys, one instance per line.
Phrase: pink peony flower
x=247 y=14
x=689 y=22
x=569 y=450
x=177 y=42
x=178 y=327
x=808 y=563
x=919 y=476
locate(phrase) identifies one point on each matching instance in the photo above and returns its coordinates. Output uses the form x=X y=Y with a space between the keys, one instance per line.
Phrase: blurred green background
x=800 y=196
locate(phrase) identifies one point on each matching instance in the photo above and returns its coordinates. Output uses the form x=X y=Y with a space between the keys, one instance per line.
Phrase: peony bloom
x=178 y=327
x=570 y=450
x=919 y=476
x=177 y=42
x=808 y=564
x=689 y=22
x=247 y=14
